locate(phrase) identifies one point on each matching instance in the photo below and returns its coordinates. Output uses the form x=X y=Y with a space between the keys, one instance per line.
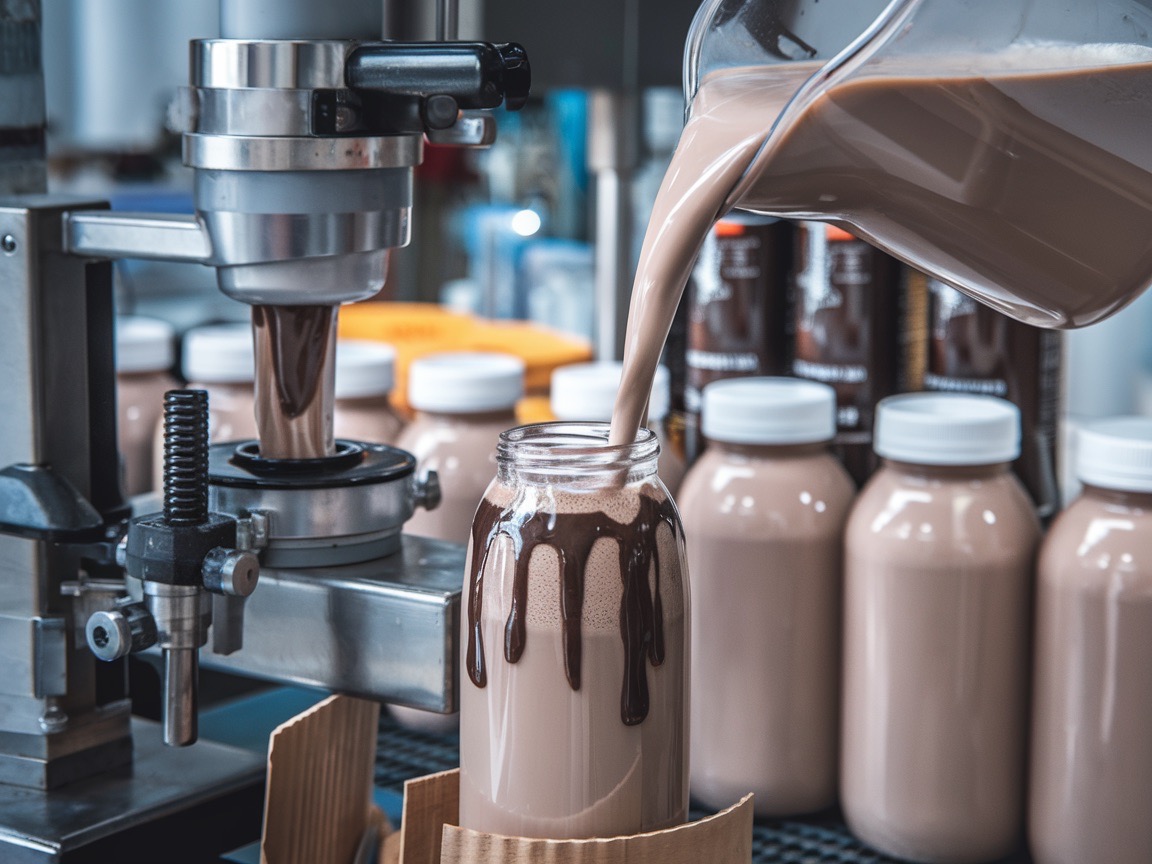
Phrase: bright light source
x=526 y=223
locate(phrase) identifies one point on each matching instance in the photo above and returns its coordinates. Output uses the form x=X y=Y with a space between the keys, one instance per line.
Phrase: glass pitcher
x=1002 y=146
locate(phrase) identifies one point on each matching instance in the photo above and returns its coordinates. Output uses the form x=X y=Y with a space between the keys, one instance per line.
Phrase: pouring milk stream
x=1013 y=165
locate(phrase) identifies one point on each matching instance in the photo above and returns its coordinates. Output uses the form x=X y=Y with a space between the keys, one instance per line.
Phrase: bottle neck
x=574 y=456
x=948 y=472
x=1119 y=497
x=771 y=451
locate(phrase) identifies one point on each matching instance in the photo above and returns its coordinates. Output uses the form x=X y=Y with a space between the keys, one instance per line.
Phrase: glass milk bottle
x=574 y=640
x=587 y=391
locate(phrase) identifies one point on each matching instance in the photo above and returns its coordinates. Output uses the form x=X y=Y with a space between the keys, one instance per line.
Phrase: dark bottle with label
x=975 y=349
x=849 y=331
x=737 y=315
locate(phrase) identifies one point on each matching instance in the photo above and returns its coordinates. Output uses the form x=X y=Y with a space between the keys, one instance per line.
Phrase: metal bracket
x=108 y=234
x=50 y=650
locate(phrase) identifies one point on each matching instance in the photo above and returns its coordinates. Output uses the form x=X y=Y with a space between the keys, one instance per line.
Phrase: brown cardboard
x=429 y=803
x=319 y=798
x=431 y=807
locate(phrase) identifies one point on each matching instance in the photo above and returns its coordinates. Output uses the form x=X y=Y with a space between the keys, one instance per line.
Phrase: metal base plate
x=95 y=819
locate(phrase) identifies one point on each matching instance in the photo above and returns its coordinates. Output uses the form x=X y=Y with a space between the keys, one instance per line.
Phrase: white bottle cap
x=220 y=354
x=144 y=344
x=947 y=429
x=1116 y=454
x=364 y=369
x=768 y=411
x=465 y=383
x=587 y=391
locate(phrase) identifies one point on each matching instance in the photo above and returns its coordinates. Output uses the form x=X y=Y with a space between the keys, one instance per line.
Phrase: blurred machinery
x=302 y=129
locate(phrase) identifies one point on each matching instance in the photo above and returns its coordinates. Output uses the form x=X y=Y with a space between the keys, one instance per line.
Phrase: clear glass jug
x=1002 y=146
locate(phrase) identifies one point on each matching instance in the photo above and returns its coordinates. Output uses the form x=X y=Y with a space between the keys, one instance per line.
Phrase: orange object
x=836 y=233
x=419 y=329
x=541 y=349
x=534 y=409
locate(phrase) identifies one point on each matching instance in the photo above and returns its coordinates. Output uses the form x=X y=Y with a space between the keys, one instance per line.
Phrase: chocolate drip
x=572 y=536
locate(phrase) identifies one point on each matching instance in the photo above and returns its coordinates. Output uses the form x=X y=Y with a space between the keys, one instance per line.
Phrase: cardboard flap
x=431 y=805
x=319 y=798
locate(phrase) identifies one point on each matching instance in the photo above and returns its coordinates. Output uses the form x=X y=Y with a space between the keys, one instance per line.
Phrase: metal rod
x=612 y=156
x=181 y=677
x=447 y=20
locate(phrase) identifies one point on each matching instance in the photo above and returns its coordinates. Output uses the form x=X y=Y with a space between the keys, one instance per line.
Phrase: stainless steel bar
x=107 y=234
x=181 y=677
x=385 y=629
x=448 y=20
x=612 y=148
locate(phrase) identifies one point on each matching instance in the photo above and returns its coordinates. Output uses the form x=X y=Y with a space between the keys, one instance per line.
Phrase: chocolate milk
x=975 y=349
x=461 y=449
x=574 y=710
x=1003 y=181
x=463 y=402
x=847 y=331
x=1090 y=790
x=938 y=571
x=295 y=349
x=365 y=373
x=763 y=527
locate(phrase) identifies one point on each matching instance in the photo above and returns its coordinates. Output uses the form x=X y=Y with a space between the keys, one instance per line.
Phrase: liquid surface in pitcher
x=1030 y=189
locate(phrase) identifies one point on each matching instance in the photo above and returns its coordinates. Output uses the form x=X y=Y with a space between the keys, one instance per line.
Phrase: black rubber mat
x=822 y=839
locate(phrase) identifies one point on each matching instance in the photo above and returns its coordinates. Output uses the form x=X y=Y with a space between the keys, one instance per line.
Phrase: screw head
x=53 y=720
x=8 y=243
x=231 y=571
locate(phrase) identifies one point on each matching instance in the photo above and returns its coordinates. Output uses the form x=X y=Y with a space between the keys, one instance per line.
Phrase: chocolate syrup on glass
x=572 y=536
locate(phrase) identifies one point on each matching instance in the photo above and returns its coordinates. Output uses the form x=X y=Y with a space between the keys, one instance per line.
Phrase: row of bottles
x=874 y=648
x=770 y=297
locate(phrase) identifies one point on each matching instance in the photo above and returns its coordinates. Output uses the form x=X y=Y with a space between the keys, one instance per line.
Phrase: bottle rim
x=575 y=449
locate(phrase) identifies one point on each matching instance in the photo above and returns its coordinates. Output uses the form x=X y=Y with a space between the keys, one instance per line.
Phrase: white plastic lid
x=219 y=354
x=144 y=344
x=465 y=383
x=364 y=369
x=768 y=411
x=1116 y=454
x=587 y=391
x=947 y=429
